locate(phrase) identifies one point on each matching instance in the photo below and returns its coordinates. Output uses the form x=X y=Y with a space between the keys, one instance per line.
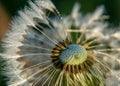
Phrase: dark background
x=64 y=6
x=112 y=8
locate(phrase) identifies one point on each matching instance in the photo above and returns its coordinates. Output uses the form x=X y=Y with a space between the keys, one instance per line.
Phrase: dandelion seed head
x=74 y=50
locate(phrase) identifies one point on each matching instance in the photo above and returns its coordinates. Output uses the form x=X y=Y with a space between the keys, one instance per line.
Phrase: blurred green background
x=112 y=8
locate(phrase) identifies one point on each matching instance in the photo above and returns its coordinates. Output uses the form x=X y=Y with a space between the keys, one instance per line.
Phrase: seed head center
x=75 y=54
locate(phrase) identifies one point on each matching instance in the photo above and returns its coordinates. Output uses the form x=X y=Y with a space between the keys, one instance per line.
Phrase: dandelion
x=45 y=49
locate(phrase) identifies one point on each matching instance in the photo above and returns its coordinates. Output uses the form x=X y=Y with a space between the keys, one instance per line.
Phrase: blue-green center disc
x=75 y=54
